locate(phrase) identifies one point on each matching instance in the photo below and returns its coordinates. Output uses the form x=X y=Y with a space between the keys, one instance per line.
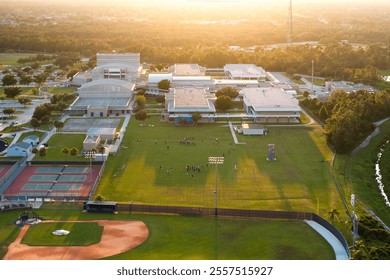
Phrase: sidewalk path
x=338 y=248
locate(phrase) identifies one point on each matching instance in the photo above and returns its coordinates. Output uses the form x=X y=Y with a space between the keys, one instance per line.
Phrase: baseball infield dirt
x=117 y=237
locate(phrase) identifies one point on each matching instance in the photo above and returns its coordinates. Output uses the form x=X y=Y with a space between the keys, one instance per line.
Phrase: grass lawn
x=80 y=234
x=11 y=58
x=59 y=141
x=60 y=90
x=8 y=231
x=385 y=72
x=318 y=82
x=183 y=237
x=150 y=168
x=357 y=174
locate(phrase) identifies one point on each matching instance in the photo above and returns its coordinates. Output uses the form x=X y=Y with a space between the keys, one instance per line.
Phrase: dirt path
x=117 y=237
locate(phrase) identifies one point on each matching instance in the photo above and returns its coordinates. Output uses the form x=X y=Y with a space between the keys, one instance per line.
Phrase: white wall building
x=20 y=149
x=271 y=105
x=117 y=66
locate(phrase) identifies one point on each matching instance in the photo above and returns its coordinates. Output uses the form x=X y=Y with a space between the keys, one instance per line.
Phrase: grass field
x=11 y=58
x=183 y=237
x=385 y=72
x=59 y=141
x=151 y=168
x=80 y=234
x=60 y=90
x=357 y=174
x=24 y=90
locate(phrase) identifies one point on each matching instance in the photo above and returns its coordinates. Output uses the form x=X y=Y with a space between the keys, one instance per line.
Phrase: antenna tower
x=290 y=23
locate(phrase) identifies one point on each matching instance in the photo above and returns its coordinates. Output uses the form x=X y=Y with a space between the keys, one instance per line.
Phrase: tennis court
x=67 y=187
x=79 y=170
x=55 y=181
x=36 y=187
x=43 y=178
x=49 y=170
x=1 y=169
x=72 y=178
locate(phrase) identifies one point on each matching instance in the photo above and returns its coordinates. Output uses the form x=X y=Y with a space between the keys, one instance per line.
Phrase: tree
x=306 y=94
x=25 y=80
x=9 y=111
x=223 y=103
x=65 y=151
x=11 y=92
x=41 y=78
x=140 y=101
x=9 y=80
x=58 y=125
x=99 y=198
x=35 y=123
x=164 y=84
x=141 y=115
x=196 y=116
x=24 y=100
x=42 y=152
x=35 y=150
x=102 y=149
x=333 y=214
x=232 y=92
x=74 y=152
x=45 y=119
x=160 y=98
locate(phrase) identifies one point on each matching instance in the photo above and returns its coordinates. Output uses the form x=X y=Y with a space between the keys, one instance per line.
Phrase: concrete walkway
x=338 y=248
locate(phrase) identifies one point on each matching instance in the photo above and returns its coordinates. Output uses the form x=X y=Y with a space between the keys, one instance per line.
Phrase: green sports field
x=151 y=168
x=181 y=237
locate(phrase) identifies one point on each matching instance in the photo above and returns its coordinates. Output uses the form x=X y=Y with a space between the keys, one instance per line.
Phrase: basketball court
x=82 y=125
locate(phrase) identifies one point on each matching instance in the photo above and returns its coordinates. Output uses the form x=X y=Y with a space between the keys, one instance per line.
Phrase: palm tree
x=35 y=150
x=332 y=214
x=65 y=151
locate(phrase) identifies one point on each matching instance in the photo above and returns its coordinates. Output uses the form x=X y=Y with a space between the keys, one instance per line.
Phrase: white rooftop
x=270 y=99
x=101 y=131
x=187 y=70
x=240 y=71
x=190 y=100
x=91 y=138
x=156 y=78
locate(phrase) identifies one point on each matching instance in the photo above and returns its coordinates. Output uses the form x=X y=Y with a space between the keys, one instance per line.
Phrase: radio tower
x=290 y=28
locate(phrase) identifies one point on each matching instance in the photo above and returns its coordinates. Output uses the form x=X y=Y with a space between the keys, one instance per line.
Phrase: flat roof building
x=270 y=105
x=244 y=72
x=190 y=100
x=187 y=70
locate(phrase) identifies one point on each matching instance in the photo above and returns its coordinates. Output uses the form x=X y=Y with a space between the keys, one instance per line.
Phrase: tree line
x=349 y=117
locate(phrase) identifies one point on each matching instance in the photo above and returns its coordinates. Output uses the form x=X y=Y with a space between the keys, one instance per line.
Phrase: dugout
x=100 y=207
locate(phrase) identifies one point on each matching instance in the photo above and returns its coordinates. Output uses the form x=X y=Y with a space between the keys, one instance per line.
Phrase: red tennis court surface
x=4 y=169
x=54 y=181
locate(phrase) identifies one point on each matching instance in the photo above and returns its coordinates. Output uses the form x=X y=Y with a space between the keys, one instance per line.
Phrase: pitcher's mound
x=117 y=237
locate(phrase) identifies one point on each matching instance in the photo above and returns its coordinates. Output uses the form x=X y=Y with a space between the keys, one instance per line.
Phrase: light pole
x=90 y=154
x=312 y=76
x=216 y=161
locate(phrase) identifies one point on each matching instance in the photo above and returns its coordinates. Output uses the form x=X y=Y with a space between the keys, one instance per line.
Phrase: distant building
x=81 y=78
x=182 y=102
x=244 y=72
x=102 y=98
x=20 y=149
x=270 y=105
x=347 y=87
x=117 y=66
x=187 y=70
